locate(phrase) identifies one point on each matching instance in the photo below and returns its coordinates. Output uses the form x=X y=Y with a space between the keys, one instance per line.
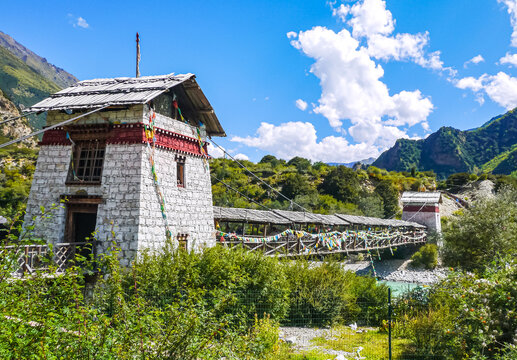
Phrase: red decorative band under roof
x=425 y=209
x=132 y=134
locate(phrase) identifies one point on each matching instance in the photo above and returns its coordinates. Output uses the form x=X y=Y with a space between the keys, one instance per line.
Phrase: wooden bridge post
x=25 y=259
x=287 y=245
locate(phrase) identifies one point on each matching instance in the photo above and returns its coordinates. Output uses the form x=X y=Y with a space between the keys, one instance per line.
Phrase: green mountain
x=50 y=72
x=489 y=148
x=23 y=82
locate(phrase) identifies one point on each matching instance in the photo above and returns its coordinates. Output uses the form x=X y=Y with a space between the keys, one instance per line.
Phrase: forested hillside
x=487 y=149
x=318 y=187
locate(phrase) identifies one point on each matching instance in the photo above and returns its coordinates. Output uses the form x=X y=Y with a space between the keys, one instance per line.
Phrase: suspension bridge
x=294 y=233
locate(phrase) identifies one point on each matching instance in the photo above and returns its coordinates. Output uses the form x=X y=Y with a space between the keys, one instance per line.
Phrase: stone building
x=422 y=208
x=137 y=167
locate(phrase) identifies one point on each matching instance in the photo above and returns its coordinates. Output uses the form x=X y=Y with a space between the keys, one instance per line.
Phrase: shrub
x=426 y=257
x=234 y=281
x=325 y=294
x=458 y=179
x=486 y=229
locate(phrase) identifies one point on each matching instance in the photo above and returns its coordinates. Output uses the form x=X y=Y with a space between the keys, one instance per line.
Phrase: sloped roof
x=371 y=221
x=414 y=197
x=248 y=215
x=284 y=217
x=95 y=93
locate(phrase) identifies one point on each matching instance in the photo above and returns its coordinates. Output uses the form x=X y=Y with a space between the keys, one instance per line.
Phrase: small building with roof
x=423 y=208
x=136 y=167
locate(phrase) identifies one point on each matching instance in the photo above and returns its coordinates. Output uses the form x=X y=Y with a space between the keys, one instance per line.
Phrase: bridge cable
x=248 y=170
x=50 y=127
x=237 y=191
x=17 y=117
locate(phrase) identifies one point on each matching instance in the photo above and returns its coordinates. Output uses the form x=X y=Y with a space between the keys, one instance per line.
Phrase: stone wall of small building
x=130 y=205
x=188 y=209
x=47 y=185
x=429 y=219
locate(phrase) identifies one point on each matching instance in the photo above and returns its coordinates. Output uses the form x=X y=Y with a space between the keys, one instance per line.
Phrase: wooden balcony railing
x=27 y=259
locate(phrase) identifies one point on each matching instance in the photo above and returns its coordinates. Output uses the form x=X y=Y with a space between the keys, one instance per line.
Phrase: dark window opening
x=180 y=171
x=86 y=163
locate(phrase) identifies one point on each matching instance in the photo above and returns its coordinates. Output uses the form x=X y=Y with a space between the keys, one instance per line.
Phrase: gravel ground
x=301 y=338
x=398 y=270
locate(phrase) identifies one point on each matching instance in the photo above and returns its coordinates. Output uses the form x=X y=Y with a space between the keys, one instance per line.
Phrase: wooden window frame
x=180 y=171
x=77 y=207
x=182 y=241
x=88 y=163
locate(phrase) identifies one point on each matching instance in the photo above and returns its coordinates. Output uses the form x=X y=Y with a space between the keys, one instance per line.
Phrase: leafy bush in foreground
x=464 y=316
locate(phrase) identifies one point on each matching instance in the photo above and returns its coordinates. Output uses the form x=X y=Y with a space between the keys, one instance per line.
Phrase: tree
x=270 y=159
x=390 y=197
x=485 y=231
x=296 y=184
x=371 y=205
x=301 y=164
x=458 y=179
x=343 y=184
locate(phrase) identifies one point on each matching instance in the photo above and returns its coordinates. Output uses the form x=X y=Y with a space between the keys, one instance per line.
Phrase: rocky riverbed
x=397 y=270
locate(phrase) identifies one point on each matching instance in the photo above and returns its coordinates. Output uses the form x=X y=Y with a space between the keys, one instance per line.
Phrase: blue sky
x=335 y=82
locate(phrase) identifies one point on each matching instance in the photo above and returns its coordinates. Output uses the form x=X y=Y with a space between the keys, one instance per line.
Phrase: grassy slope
x=23 y=85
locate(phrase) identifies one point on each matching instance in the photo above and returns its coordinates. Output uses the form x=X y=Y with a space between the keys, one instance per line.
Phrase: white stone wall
x=130 y=207
x=120 y=188
x=47 y=185
x=189 y=209
x=429 y=219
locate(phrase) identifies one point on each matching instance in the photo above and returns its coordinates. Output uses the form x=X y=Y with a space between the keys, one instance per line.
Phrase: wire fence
x=355 y=328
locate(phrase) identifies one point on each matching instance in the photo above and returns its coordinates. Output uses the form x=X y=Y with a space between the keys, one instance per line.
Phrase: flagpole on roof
x=137 y=55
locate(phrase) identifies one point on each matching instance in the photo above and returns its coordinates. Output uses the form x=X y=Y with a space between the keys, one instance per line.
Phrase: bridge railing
x=297 y=243
x=28 y=259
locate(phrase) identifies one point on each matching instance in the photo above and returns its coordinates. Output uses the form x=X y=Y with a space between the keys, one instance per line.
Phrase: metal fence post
x=389 y=322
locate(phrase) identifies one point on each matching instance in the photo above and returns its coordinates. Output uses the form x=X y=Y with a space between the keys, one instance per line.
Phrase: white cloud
x=470 y=83
x=351 y=86
x=81 y=22
x=299 y=139
x=512 y=10
x=78 y=21
x=352 y=89
x=302 y=105
x=368 y=18
x=214 y=151
x=501 y=88
x=371 y=20
x=509 y=59
x=241 y=156
x=475 y=60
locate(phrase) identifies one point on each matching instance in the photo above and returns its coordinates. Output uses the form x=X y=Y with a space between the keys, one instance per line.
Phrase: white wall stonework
x=189 y=209
x=130 y=203
x=47 y=185
x=429 y=219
